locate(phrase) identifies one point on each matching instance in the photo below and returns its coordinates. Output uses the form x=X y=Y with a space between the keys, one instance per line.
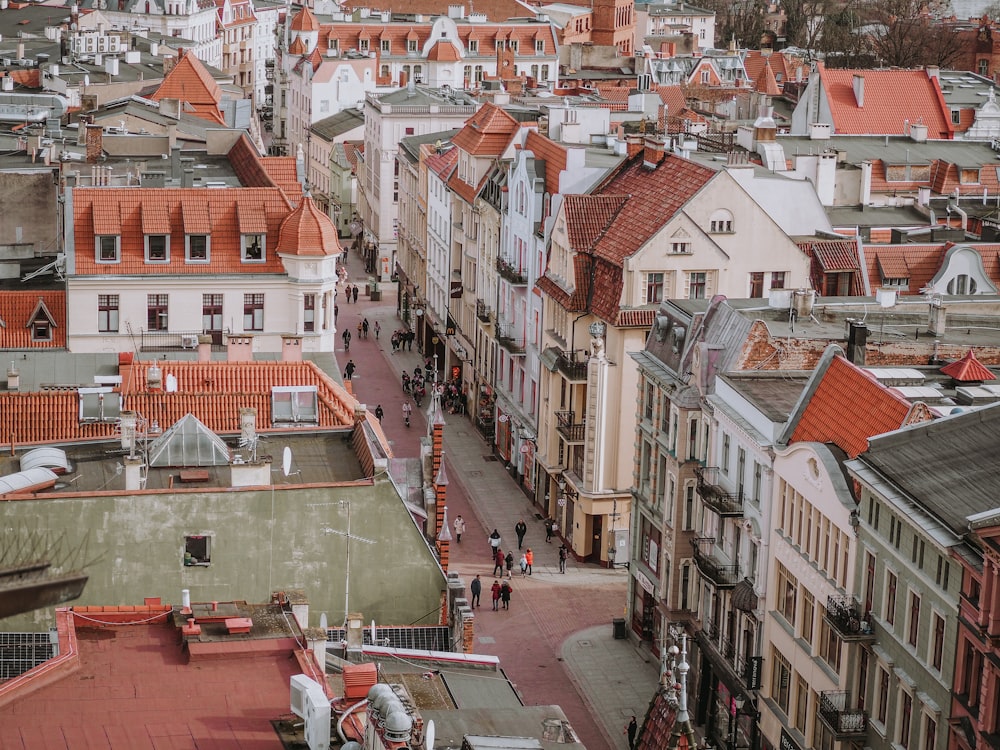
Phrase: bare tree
x=742 y=19
x=910 y=33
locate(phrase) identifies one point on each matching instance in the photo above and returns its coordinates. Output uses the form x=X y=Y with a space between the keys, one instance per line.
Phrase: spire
x=683 y=731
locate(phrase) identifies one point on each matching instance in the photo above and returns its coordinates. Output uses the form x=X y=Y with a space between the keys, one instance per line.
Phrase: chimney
x=133 y=474
x=653 y=152
x=111 y=66
x=859 y=90
x=918 y=132
x=127 y=421
x=175 y=162
x=936 y=323
x=187 y=178
x=239 y=348
x=205 y=348
x=291 y=348
x=171 y=108
x=248 y=425
x=168 y=64
x=95 y=143
x=933 y=71
x=857 y=339
x=13 y=378
x=20 y=51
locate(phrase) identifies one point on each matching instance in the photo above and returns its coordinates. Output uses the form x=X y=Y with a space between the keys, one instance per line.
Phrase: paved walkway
x=556 y=642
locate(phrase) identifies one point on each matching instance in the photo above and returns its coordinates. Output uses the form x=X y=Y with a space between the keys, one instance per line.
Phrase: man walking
x=347 y=340
x=494 y=539
x=379 y=413
x=476 y=588
x=378 y=330
x=630 y=730
x=459 y=530
x=563 y=554
x=349 y=369
x=498 y=563
x=354 y=293
x=520 y=529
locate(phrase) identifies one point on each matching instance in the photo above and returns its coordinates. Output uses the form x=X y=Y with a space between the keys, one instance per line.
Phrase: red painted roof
x=487 y=133
x=213 y=392
x=848 y=407
x=892 y=99
x=121 y=212
x=17 y=310
x=130 y=687
x=308 y=231
x=968 y=369
x=189 y=82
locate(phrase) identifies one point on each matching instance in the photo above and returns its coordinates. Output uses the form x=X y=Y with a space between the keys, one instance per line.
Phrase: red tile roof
x=17 y=310
x=588 y=217
x=304 y=20
x=254 y=170
x=847 y=407
x=120 y=211
x=122 y=686
x=213 y=391
x=968 y=369
x=837 y=255
x=495 y=10
x=922 y=263
x=189 y=82
x=765 y=83
x=553 y=154
x=487 y=133
x=308 y=231
x=443 y=51
x=892 y=100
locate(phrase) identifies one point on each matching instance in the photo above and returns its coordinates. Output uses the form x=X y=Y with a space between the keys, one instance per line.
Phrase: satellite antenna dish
x=373 y=632
x=322 y=621
x=429 y=735
x=171 y=383
x=286 y=460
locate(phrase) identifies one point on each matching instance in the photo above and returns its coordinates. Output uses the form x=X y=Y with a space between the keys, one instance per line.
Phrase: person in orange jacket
x=530 y=557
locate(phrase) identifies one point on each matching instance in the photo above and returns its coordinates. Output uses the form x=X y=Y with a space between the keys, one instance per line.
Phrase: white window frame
x=294 y=405
x=263 y=247
x=166 y=248
x=187 y=248
x=118 y=248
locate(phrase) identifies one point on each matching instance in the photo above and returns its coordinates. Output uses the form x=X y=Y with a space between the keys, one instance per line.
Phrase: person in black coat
x=476 y=588
x=520 y=529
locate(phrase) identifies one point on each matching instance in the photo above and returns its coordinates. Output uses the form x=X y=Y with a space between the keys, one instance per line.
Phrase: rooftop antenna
x=286 y=460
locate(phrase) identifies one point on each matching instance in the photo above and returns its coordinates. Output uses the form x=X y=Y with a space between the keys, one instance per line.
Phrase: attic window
x=197 y=248
x=294 y=405
x=474 y=46
x=41 y=323
x=411 y=45
x=198 y=550
x=969 y=176
x=157 y=248
x=253 y=247
x=101 y=404
x=108 y=248
x=896 y=282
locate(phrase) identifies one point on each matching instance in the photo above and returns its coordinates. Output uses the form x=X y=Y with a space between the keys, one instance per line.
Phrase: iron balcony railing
x=844 y=615
x=572 y=364
x=844 y=722
x=511 y=273
x=711 y=566
x=507 y=339
x=715 y=496
x=569 y=427
x=483 y=311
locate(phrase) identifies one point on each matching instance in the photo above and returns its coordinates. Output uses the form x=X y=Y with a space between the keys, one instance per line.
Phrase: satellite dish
x=286 y=461
x=171 y=383
x=373 y=632
x=322 y=621
x=429 y=735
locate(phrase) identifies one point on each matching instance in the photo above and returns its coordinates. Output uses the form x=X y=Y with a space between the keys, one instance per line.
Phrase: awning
x=723 y=669
x=744 y=598
x=548 y=358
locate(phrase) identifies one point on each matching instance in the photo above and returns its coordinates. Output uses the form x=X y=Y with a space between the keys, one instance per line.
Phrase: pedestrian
x=563 y=554
x=354 y=293
x=520 y=529
x=496 y=594
x=410 y=335
x=509 y=562
x=459 y=530
x=364 y=328
x=346 y=336
x=428 y=371
x=476 y=588
x=630 y=730
x=378 y=330
x=505 y=590
x=349 y=369
x=498 y=563
x=524 y=565
x=336 y=311
x=407 y=410
x=530 y=556
x=418 y=395
x=394 y=340
x=379 y=413
x=361 y=334
x=494 y=542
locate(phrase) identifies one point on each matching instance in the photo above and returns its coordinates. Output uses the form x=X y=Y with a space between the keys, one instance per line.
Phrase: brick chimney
x=95 y=143
x=653 y=151
x=291 y=348
x=239 y=348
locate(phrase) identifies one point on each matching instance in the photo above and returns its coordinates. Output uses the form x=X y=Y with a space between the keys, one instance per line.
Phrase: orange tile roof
x=765 y=83
x=847 y=407
x=283 y=173
x=443 y=51
x=553 y=154
x=17 y=310
x=155 y=219
x=308 y=231
x=194 y=214
x=495 y=10
x=231 y=212
x=189 y=82
x=892 y=99
x=968 y=369
x=892 y=266
x=297 y=47
x=214 y=392
x=254 y=170
x=487 y=133
x=589 y=216
x=304 y=20
x=922 y=263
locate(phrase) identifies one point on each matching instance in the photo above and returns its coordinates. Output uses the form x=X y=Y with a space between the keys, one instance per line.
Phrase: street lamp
x=734 y=719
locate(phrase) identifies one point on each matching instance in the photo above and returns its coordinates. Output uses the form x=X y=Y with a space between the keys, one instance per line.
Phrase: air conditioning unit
x=189 y=341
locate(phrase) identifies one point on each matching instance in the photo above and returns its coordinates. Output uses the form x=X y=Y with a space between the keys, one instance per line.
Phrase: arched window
x=721 y=221
x=962 y=284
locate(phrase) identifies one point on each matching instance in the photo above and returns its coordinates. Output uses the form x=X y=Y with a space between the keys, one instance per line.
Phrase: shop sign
x=755 y=665
x=787 y=743
x=644 y=582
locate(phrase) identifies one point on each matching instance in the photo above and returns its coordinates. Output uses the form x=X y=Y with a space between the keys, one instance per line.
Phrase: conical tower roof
x=968 y=369
x=308 y=231
x=766 y=83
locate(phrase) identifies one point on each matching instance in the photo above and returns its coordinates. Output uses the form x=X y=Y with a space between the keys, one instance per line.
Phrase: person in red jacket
x=498 y=563
x=496 y=595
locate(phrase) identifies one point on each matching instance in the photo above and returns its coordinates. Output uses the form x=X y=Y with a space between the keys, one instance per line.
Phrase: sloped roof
x=308 y=231
x=487 y=133
x=553 y=154
x=588 y=217
x=922 y=263
x=837 y=255
x=892 y=100
x=188 y=442
x=304 y=20
x=846 y=406
x=189 y=82
x=968 y=369
x=443 y=51
x=17 y=309
x=765 y=83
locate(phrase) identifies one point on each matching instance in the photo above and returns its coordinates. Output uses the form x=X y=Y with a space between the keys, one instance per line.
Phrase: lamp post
x=734 y=719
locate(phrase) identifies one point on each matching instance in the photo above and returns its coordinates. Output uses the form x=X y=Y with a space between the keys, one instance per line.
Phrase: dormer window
x=253 y=248
x=385 y=45
x=108 y=248
x=969 y=176
x=294 y=404
x=514 y=45
x=474 y=46
x=41 y=323
x=411 y=45
x=363 y=45
x=721 y=222
x=539 y=46
x=157 y=248
x=196 y=248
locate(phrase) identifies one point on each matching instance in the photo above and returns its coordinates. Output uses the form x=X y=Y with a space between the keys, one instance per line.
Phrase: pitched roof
x=214 y=392
x=18 y=308
x=968 y=369
x=304 y=20
x=487 y=133
x=765 y=83
x=846 y=406
x=553 y=154
x=922 y=262
x=189 y=82
x=308 y=231
x=443 y=51
x=893 y=99
x=588 y=217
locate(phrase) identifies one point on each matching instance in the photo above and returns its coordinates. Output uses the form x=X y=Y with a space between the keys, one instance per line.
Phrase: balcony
x=506 y=338
x=508 y=271
x=572 y=364
x=711 y=566
x=845 y=723
x=843 y=614
x=483 y=311
x=569 y=428
x=715 y=496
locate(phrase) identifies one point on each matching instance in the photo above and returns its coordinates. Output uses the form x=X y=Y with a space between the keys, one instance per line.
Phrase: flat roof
x=892 y=149
x=774 y=394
